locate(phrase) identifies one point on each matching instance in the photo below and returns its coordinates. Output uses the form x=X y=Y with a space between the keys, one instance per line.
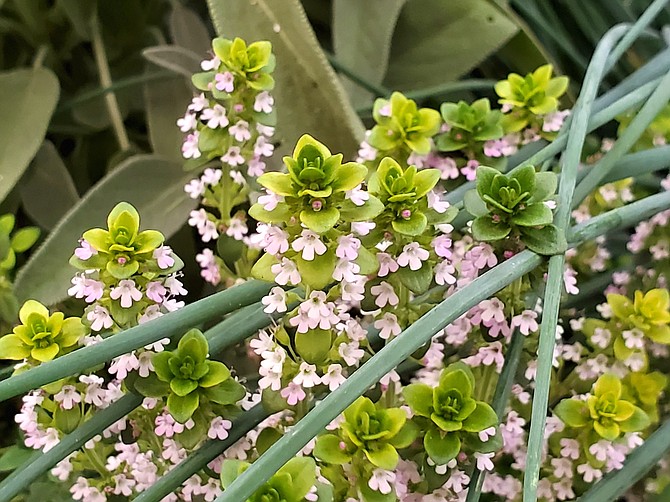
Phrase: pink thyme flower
x=85 y=250
x=385 y=294
x=99 y=318
x=350 y=353
x=167 y=426
x=219 y=428
x=307 y=376
x=163 y=256
x=412 y=255
x=526 y=322
x=263 y=147
x=286 y=272
x=126 y=292
x=68 y=397
x=276 y=240
x=188 y=122
x=310 y=245
x=388 y=326
x=233 y=157
x=333 y=377
x=382 y=481
x=224 y=82
x=264 y=102
x=210 y=64
x=274 y=301
x=293 y=393
x=156 y=291
x=189 y=148
x=347 y=247
x=215 y=116
x=240 y=131
x=387 y=264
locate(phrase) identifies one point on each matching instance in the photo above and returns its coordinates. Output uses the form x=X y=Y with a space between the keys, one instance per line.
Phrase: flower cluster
x=228 y=127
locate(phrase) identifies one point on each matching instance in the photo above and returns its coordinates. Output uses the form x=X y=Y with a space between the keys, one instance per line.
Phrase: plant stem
x=169 y=325
x=106 y=81
x=500 y=399
x=202 y=456
x=40 y=462
x=552 y=295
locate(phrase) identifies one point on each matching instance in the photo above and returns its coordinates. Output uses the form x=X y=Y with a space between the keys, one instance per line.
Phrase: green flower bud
x=403 y=191
x=451 y=411
x=254 y=63
x=314 y=189
x=401 y=125
x=649 y=312
x=368 y=429
x=503 y=203
x=535 y=94
x=469 y=125
x=187 y=377
x=605 y=411
x=41 y=336
x=122 y=248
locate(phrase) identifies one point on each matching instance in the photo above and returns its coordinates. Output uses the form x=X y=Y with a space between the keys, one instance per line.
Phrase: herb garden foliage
x=368 y=266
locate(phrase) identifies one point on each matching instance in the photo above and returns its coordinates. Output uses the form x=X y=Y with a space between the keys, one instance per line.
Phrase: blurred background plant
x=90 y=93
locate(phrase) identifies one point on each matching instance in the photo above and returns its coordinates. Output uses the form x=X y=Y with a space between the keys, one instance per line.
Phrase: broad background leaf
x=437 y=41
x=153 y=184
x=27 y=100
x=188 y=30
x=165 y=102
x=362 y=32
x=308 y=96
x=174 y=58
x=47 y=190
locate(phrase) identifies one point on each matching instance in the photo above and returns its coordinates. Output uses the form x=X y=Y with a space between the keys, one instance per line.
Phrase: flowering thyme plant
x=386 y=351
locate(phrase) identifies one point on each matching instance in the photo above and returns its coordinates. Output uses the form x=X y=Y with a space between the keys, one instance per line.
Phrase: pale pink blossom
x=382 y=481
x=219 y=428
x=293 y=393
x=333 y=377
x=264 y=102
x=240 y=131
x=286 y=272
x=233 y=157
x=388 y=326
x=385 y=294
x=224 y=81
x=68 y=397
x=413 y=255
x=99 y=318
x=274 y=301
x=310 y=245
x=126 y=292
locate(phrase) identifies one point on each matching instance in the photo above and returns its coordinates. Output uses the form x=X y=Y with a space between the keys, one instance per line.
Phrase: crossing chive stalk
x=202 y=456
x=499 y=403
x=554 y=288
x=240 y=325
x=175 y=323
x=40 y=462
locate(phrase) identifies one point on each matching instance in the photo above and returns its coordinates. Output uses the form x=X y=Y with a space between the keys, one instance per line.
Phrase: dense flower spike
x=231 y=120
